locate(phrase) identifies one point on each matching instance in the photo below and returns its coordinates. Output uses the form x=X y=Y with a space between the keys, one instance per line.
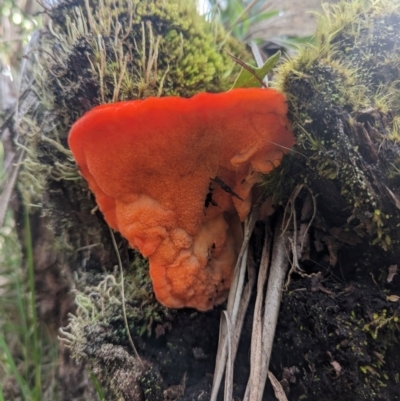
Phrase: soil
x=328 y=344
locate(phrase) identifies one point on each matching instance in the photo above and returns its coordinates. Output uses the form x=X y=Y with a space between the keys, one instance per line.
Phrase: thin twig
x=293 y=217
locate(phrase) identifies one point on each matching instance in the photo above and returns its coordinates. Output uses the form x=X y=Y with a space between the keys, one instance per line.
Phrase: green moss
x=343 y=95
x=95 y=52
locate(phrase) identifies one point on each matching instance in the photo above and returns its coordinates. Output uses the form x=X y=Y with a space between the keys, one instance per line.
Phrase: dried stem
x=264 y=325
x=232 y=321
x=264 y=332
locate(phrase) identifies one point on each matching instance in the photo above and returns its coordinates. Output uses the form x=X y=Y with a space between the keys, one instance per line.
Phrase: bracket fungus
x=174 y=177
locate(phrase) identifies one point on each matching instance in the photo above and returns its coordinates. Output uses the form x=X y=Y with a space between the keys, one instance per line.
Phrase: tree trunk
x=338 y=191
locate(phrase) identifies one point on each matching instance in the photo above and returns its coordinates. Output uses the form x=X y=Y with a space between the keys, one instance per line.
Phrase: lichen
x=99 y=335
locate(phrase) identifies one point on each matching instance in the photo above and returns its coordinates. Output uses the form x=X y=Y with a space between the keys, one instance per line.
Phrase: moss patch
x=343 y=98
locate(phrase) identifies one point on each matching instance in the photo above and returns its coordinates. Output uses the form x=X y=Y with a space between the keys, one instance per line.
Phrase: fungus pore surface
x=174 y=176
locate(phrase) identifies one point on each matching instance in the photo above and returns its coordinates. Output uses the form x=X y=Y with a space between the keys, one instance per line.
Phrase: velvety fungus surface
x=174 y=176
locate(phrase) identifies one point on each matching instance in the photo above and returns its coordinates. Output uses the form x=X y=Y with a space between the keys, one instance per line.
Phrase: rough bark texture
x=337 y=330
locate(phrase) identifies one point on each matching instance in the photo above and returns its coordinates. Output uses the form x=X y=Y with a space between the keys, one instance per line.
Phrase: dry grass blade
x=278 y=389
x=256 y=338
x=264 y=327
x=23 y=102
x=234 y=302
x=258 y=58
x=251 y=273
x=278 y=271
x=229 y=339
x=256 y=54
x=9 y=186
x=243 y=14
x=237 y=329
x=128 y=332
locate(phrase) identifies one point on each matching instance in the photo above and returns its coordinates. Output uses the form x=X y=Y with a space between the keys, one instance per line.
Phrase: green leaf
x=263 y=16
x=251 y=77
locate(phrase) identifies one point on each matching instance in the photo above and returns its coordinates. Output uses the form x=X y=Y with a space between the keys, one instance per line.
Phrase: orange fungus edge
x=174 y=176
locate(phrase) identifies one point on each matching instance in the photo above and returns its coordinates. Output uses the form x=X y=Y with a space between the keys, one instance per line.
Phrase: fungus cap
x=174 y=176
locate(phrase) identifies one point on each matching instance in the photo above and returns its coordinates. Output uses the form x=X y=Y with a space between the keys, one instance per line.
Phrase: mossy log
x=340 y=308
x=336 y=335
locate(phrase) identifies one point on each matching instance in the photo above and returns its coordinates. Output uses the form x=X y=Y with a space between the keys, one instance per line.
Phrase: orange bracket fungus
x=174 y=177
